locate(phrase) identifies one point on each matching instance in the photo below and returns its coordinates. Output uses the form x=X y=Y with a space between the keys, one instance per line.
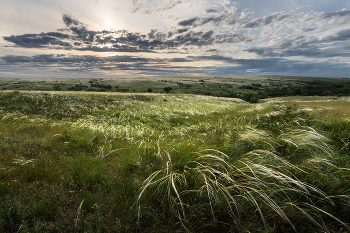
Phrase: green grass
x=250 y=88
x=126 y=162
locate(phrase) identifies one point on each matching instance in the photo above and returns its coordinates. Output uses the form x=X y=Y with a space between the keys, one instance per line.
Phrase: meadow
x=79 y=161
x=248 y=88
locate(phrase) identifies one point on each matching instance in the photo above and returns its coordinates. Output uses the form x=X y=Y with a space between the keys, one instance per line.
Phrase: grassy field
x=248 y=88
x=156 y=162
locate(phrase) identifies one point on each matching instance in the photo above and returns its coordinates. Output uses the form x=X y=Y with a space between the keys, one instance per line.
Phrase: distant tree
x=297 y=91
x=57 y=87
x=167 y=89
x=149 y=90
x=249 y=97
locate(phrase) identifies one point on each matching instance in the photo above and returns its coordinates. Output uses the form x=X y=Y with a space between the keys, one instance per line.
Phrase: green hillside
x=249 y=88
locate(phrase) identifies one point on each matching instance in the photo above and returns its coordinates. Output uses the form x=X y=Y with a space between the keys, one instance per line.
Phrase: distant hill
x=250 y=88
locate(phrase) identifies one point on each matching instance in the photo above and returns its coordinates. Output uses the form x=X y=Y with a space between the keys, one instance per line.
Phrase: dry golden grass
x=322 y=107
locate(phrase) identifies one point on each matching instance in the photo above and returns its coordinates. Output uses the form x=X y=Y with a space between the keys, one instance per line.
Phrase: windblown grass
x=260 y=180
x=171 y=163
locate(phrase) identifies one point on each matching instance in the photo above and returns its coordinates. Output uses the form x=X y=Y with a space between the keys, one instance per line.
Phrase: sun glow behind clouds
x=109 y=24
x=113 y=23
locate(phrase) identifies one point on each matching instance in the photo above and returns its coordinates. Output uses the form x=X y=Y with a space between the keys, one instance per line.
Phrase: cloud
x=339 y=36
x=182 y=30
x=272 y=66
x=231 y=17
x=307 y=46
x=162 y=66
x=266 y=20
x=78 y=37
x=241 y=18
x=78 y=28
x=342 y=13
x=171 y=4
x=149 y=7
x=210 y=11
x=53 y=39
x=69 y=20
x=287 y=42
x=187 y=22
x=75 y=64
x=76 y=60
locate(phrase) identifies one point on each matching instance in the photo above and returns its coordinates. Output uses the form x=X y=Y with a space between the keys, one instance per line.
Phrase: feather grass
x=261 y=178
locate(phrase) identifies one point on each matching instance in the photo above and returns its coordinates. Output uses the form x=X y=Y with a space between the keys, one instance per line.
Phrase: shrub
x=57 y=87
x=250 y=98
x=167 y=89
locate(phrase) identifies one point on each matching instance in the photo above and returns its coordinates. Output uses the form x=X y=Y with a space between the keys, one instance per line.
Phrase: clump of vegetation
x=76 y=87
x=250 y=98
x=57 y=87
x=167 y=89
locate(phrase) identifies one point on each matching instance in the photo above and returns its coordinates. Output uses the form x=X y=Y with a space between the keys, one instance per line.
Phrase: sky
x=134 y=38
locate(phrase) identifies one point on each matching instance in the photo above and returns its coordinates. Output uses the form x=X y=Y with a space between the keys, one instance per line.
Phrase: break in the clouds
x=184 y=37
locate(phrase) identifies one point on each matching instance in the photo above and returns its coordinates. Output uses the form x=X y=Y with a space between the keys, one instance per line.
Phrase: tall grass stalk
x=77 y=216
